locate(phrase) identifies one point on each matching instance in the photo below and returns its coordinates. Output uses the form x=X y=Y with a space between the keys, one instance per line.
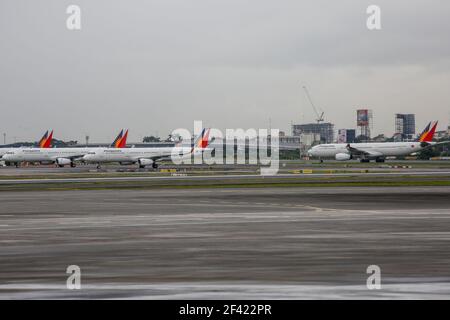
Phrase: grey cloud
x=158 y=65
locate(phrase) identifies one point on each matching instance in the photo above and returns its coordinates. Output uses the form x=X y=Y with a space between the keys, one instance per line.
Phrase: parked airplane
x=60 y=156
x=145 y=156
x=377 y=151
x=44 y=142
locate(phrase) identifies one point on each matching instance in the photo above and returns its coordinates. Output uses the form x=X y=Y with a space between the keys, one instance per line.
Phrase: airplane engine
x=145 y=162
x=63 y=161
x=343 y=156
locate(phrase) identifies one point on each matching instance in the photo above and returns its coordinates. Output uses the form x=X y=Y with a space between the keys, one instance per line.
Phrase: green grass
x=114 y=185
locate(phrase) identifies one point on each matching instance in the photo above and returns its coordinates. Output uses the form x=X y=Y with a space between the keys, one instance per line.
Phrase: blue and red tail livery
x=43 y=139
x=121 y=140
x=47 y=142
x=202 y=141
x=428 y=134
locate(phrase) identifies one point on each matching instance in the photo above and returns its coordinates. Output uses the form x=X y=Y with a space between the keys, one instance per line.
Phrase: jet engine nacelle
x=63 y=161
x=343 y=156
x=145 y=162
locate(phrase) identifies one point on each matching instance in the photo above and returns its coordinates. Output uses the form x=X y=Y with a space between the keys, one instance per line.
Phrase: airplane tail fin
x=202 y=141
x=43 y=139
x=428 y=136
x=116 y=141
x=123 y=141
x=424 y=132
x=48 y=142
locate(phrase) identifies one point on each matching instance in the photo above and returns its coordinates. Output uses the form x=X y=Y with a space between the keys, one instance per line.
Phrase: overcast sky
x=153 y=66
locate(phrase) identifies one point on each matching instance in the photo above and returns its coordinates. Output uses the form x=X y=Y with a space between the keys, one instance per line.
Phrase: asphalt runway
x=284 y=167
x=291 y=243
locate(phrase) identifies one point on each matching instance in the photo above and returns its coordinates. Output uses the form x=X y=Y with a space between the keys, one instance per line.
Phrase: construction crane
x=319 y=115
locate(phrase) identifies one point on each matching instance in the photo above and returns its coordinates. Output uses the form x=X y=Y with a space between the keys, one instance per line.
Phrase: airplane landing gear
x=154 y=165
x=364 y=160
x=379 y=160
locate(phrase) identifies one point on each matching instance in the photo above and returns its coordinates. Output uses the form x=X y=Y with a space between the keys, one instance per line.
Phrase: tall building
x=346 y=135
x=364 y=121
x=325 y=130
x=405 y=126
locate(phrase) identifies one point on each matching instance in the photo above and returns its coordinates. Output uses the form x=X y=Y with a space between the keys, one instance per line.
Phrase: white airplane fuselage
x=44 y=154
x=3 y=151
x=373 y=150
x=132 y=155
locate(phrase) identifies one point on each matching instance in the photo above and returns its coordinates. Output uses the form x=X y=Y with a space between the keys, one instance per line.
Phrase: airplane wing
x=168 y=156
x=76 y=157
x=439 y=143
x=356 y=152
x=155 y=158
x=429 y=145
x=72 y=157
x=362 y=153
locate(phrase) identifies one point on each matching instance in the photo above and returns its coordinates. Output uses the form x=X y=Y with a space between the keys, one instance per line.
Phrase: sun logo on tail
x=427 y=134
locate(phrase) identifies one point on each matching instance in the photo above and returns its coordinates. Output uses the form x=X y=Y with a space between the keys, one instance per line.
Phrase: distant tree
x=361 y=138
x=428 y=153
x=169 y=138
x=289 y=154
x=61 y=143
x=379 y=138
x=151 y=139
